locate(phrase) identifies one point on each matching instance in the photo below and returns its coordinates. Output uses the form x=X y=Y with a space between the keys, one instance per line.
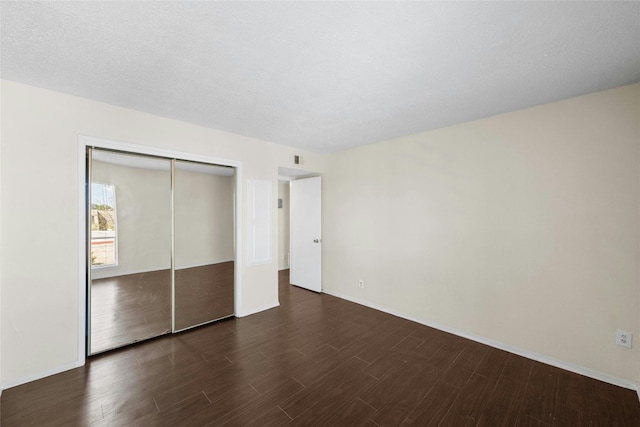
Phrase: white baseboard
x=502 y=346
x=258 y=310
x=40 y=375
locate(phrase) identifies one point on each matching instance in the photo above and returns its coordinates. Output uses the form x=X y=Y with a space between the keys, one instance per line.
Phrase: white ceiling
x=322 y=76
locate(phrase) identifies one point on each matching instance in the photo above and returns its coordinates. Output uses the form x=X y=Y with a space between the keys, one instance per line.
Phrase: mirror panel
x=130 y=221
x=204 y=243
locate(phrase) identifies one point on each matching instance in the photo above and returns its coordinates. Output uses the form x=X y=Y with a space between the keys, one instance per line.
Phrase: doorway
x=304 y=228
x=161 y=246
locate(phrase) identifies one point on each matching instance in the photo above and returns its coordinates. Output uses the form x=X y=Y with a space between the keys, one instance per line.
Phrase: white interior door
x=306 y=234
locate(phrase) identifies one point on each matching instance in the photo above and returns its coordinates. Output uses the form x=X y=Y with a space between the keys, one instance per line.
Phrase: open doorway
x=299 y=231
x=283 y=223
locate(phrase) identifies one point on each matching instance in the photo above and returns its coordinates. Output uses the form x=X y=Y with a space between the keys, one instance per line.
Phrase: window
x=104 y=248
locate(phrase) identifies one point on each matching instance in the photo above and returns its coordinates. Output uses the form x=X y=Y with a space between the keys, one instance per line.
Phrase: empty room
x=319 y=213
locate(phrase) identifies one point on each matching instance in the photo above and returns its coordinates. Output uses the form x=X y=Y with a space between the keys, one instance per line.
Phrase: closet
x=161 y=246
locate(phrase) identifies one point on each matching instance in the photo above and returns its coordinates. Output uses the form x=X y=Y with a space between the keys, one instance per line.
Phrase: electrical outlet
x=361 y=284
x=624 y=338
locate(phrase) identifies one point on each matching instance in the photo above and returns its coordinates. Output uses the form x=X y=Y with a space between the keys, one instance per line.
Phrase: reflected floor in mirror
x=134 y=307
x=316 y=360
x=204 y=293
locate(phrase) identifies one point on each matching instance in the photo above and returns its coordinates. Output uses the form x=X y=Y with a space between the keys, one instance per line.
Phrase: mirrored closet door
x=162 y=246
x=130 y=256
x=204 y=243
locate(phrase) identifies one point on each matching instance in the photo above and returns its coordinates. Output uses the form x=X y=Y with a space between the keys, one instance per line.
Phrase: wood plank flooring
x=316 y=360
x=134 y=307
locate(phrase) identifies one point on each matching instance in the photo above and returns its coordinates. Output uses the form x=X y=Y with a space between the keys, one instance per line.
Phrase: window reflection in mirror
x=104 y=248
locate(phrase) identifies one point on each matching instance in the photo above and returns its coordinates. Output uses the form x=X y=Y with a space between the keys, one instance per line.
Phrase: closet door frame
x=84 y=269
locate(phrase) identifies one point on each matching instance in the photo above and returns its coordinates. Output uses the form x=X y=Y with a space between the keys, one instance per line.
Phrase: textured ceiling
x=322 y=76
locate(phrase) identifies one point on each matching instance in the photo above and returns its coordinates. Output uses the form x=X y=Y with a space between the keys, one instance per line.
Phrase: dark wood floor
x=135 y=307
x=316 y=360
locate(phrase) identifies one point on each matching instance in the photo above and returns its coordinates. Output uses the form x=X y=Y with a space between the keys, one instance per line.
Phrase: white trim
x=153 y=151
x=40 y=375
x=258 y=310
x=90 y=141
x=496 y=344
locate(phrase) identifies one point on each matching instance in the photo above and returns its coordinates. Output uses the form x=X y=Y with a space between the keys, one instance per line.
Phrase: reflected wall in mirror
x=130 y=230
x=204 y=243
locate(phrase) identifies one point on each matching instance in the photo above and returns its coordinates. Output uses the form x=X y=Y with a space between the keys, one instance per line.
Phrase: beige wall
x=283 y=226
x=39 y=170
x=520 y=229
